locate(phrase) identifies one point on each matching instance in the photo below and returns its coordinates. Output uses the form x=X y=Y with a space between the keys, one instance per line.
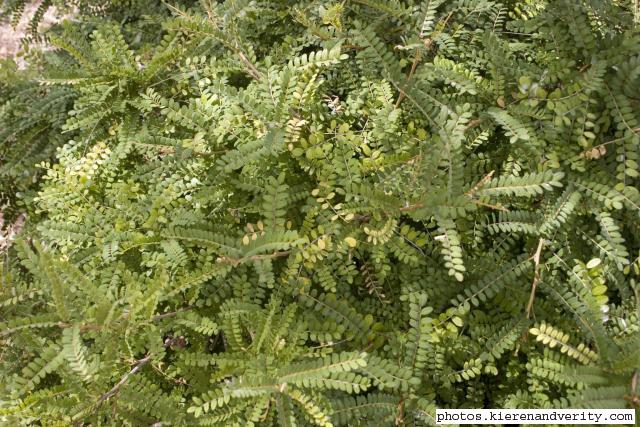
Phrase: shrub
x=323 y=213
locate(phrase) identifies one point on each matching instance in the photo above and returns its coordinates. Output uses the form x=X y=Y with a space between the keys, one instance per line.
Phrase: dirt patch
x=10 y=37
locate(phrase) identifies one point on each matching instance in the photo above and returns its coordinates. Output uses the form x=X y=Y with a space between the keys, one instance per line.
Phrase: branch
x=400 y=415
x=251 y=69
x=236 y=261
x=473 y=123
x=418 y=56
x=83 y=328
x=136 y=367
x=416 y=59
x=171 y=313
x=536 y=275
x=139 y=364
x=497 y=207
x=93 y=327
x=416 y=206
x=480 y=184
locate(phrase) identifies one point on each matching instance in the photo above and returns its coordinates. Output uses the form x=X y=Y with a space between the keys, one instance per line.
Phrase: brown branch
x=171 y=313
x=400 y=415
x=416 y=59
x=410 y=208
x=497 y=207
x=251 y=69
x=136 y=367
x=352 y=47
x=473 y=123
x=83 y=328
x=536 y=276
x=587 y=151
x=416 y=206
x=236 y=261
x=94 y=327
x=480 y=184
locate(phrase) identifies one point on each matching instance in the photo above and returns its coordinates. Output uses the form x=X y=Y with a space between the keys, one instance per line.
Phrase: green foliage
x=319 y=213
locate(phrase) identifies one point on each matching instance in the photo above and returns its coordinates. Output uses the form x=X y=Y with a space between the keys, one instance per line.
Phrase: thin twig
x=236 y=261
x=251 y=69
x=417 y=206
x=536 y=276
x=139 y=364
x=400 y=415
x=480 y=184
x=497 y=207
x=584 y=153
x=171 y=313
x=473 y=123
x=235 y=46
x=136 y=367
x=94 y=327
x=416 y=59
